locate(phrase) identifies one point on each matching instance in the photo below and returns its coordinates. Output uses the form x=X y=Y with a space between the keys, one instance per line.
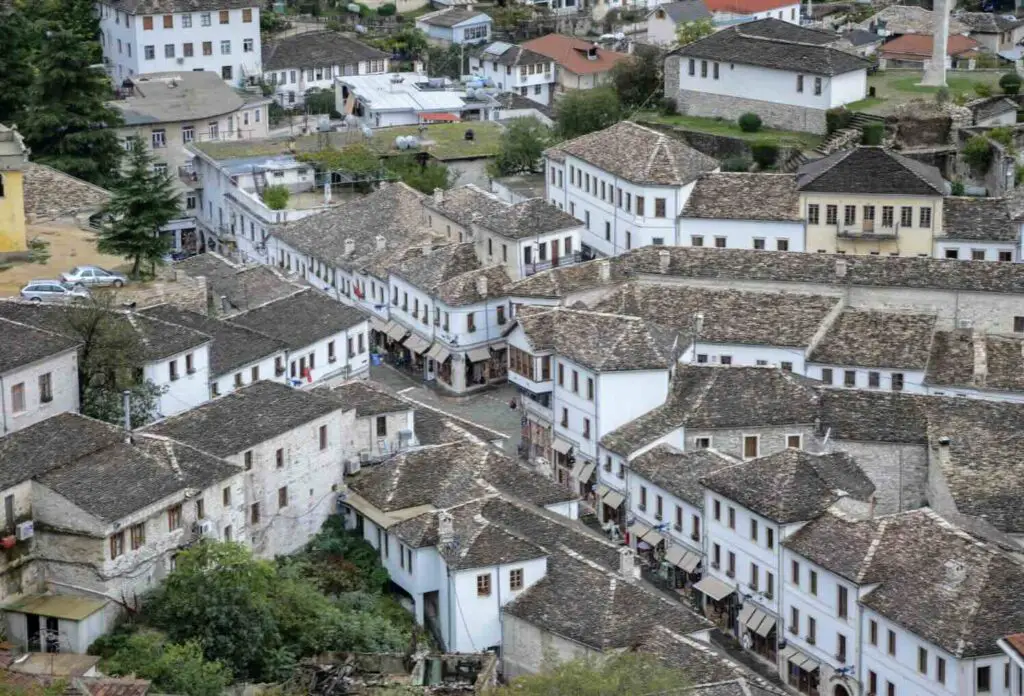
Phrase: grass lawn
x=732 y=130
x=894 y=87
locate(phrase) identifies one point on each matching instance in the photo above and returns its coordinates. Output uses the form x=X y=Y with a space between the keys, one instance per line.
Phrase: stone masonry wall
x=782 y=116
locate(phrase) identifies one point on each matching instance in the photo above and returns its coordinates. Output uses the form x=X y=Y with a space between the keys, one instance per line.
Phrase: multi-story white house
x=168 y=35
x=728 y=12
x=627 y=183
x=664 y=20
x=516 y=69
x=750 y=509
x=898 y=604
x=292 y=65
x=384 y=423
x=459 y=25
x=786 y=74
x=291 y=446
x=979 y=229
x=38 y=375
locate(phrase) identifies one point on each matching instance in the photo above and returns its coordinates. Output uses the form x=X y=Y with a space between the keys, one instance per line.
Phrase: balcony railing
x=538 y=409
x=189 y=177
x=538 y=266
x=867 y=230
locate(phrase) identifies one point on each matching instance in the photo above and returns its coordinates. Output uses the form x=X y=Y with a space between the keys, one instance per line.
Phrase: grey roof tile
x=465 y=288
x=744 y=196
x=140 y=7
x=317 y=49
x=186 y=95
x=428 y=271
x=988 y=22
x=871 y=416
x=978 y=219
x=791 y=485
x=52 y=443
x=450 y=17
x=367 y=399
x=51 y=194
x=679 y=473
x=987 y=107
x=869 y=169
x=865 y=338
x=21 y=345
x=235 y=422
x=470 y=205
x=640 y=154
x=241 y=287
x=301 y=319
x=683 y=11
x=953 y=356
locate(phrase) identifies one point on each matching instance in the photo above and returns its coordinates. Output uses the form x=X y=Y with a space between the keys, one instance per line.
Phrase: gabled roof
x=470 y=205
x=451 y=17
x=571 y=54
x=745 y=7
x=302 y=319
x=602 y=342
x=680 y=473
x=640 y=154
x=317 y=49
x=142 y=7
x=791 y=485
x=773 y=43
x=988 y=22
x=428 y=271
x=978 y=219
x=367 y=399
x=865 y=338
x=240 y=287
x=683 y=11
x=465 y=289
x=920 y=45
x=869 y=169
x=21 y=345
x=975 y=360
x=745 y=196
x=52 y=443
x=987 y=107
x=235 y=422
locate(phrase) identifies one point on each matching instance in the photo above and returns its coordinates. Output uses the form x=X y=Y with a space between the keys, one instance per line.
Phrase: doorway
x=840 y=690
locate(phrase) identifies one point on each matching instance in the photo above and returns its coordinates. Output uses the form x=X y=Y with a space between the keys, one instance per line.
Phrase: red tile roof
x=1016 y=641
x=571 y=54
x=920 y=45
x=746 y=6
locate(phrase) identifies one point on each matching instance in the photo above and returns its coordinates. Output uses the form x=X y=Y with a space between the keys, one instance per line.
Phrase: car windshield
x=75 y=271
x=67 y=286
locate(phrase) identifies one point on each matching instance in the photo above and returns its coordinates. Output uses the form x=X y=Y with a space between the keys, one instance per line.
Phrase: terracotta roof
x=571 y=54
x=745 y=6
x=921 y=45
x=1016 y=641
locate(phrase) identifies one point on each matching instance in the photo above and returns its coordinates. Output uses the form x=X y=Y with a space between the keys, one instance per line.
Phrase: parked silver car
x=93 y=276
x=52 y=291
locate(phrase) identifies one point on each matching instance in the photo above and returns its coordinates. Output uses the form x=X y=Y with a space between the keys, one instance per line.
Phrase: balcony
x=867 y=230
x=542 y=412
x=538 y=266
x=190 y=177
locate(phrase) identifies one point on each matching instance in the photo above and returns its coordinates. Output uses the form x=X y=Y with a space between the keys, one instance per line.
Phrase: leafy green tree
x=173 y=668
x=521 y=147
x=422 y=172
x=15 y=63
x=67 y=122
x=409 y=43
x=445 y=61
x=696 y=29
x=587 y=110
x=276 y=197
x=638 y=81
x=144 y=200
x=1009 y=83
x=321 y=101
x=621 y=673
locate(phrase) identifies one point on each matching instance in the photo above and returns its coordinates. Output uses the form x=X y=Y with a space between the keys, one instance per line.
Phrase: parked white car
x=93 y=276
x=52 y=291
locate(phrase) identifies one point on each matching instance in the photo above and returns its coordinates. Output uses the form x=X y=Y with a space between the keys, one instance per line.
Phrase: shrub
x=276 y=197
x=1010 y=83
x=983 y=90
x=957 y=188
x=837 y=119
x=735 y=164
x=1002 y=135
x=873 y=133
x=978 y=153
x=387 y=10
x=765 y=154
x=749 y=122
x=668 y=106
x=942 y=95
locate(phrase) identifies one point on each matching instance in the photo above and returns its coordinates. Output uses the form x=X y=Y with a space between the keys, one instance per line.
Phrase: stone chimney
x=481 y=285
x=438 y=196
x=943 y=451
x=381 y=242
x=664 y=259
x=445 y=528
x=627 y=563
x=980 y=358
x=841 y=268
x=604 y=270
x=350 y=246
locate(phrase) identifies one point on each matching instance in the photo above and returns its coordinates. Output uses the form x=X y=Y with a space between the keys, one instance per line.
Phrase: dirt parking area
x=70 y=246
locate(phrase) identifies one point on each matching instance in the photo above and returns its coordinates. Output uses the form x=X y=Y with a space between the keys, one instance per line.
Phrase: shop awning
x=395 y=331
x=601 y=490
x=805 y=663
x=417 y=344
x=638 y=529
x=561 y=446
x=438 y=352
x=378 y=325
x=713 y=588
x=765 y=626
x=478 y=354
x=756 y=620
x=682 y=558
x=586 y=472
x=499 y=347
x=613 y=499
x=653 y=538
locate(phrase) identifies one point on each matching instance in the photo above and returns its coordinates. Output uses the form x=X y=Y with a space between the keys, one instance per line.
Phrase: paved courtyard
x=488 y=409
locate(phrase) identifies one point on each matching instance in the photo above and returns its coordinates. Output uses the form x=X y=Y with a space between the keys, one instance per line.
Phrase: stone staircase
x=837 y=140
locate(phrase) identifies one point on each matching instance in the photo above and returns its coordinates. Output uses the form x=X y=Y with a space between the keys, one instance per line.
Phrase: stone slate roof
x=22 y=345
x=602 y=342
x=142 y=7
x=119 y=480
x=586 y=604
x=235 y=422
x=639 y=154
x=470 y=205
x=450 y=17
x=683 y=11
x=978 y=219
x=680 y=473
x=743 y=196
x=233 y=346
x=428 y=271
x=435 y=427
x=705 y=397
x=51 y=194
x=872 y=416
x=52 y=443
x=242 y=287
x=934 y=579
x=159 y=339
x=869 y=339
x=791 y=485
x=987 y=107
x=464 y=289
x=870 y=169
x=367 y=399
x=730 y=316
x=773 y=43
x=512 y=55
x=952 y=361
x=558 y=282
x=910 y=19
x=301 y=319
x=317 y=49
x=988 y=22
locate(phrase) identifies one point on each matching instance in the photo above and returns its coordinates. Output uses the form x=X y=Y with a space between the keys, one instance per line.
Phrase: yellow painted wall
x=911 y=241
x=12 y=212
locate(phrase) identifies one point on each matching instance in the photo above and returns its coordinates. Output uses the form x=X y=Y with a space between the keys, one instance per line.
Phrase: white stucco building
x=38 y=375
x=515 y=69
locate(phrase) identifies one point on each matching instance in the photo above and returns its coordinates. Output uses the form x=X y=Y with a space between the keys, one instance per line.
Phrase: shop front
x=564 y=460
x=681 y=567
x=610 y=509
x=803 y=673
x=583 y=474
x=720 y=602
x=756 y=629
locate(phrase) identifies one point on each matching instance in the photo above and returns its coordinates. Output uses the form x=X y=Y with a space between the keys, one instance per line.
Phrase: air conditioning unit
x=353 y=466
x=24 y=531
x=205 y=528
x=364 y=457
x=965 y=324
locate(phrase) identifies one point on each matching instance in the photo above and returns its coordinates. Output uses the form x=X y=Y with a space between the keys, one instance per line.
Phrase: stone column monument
x=935 y=70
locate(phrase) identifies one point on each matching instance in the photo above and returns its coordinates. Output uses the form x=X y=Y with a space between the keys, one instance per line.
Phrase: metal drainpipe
x=3 y=405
